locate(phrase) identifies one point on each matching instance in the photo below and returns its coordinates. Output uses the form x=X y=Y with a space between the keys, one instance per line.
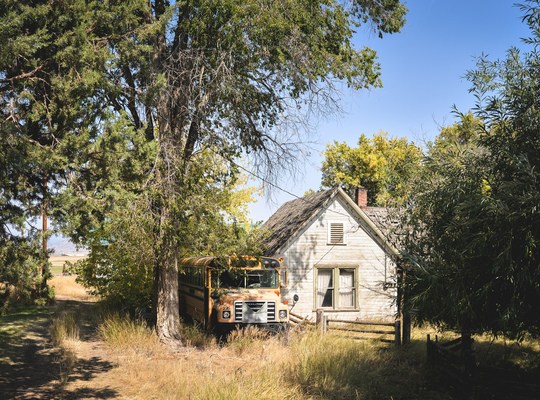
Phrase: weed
x=64 y=327
x=195 y=336
x=125 y=334
x=64 y=330
x=242 y=339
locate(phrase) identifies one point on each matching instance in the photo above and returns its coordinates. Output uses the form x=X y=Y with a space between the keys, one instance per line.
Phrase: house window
x=336 y=288
x=325 y=285
x=336 y=233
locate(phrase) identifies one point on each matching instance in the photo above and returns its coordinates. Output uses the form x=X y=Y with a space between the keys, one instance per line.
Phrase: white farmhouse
x=337 y=255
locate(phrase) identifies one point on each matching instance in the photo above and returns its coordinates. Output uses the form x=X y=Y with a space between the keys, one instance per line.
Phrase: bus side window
x=199 y=277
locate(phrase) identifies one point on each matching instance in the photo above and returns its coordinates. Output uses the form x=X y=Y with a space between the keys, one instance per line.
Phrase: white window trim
x=329 y=234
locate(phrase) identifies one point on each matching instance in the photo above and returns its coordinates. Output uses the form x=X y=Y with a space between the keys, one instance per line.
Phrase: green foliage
x=474 y=221
x=438 y=237
x=127 y=105
x=116 y=227
x=384 y=166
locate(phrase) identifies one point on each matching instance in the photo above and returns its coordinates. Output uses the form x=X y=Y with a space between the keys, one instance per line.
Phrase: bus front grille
x=254 y=311
x=238 y=311
x=271 y=311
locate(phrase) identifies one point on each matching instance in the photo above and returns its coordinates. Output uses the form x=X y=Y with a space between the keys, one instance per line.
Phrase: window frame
x=335 y=268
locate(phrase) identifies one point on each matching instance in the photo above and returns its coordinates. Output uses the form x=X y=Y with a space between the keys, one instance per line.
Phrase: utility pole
x=44 y=268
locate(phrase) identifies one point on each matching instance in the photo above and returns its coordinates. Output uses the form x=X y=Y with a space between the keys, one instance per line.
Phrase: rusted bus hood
x=248 y=294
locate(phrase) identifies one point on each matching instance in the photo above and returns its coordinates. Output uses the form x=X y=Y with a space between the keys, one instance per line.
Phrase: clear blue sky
x=423 y=70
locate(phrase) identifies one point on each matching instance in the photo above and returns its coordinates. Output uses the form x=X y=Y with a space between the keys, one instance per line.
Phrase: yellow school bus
x=225 y=292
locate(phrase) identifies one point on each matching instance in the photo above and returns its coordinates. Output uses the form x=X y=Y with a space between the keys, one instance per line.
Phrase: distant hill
x=63 y=246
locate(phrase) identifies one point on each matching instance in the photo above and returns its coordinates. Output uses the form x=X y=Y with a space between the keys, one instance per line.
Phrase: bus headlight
x=226 y=314
x=282 y=314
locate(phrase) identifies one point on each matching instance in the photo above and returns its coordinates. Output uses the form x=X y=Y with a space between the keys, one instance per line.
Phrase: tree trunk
x=167 y=307
x=44 y=268
x=165 y=296
x=167 y=182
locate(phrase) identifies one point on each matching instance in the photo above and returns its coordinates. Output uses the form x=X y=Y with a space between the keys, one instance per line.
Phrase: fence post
x=429 y=350
x=406 y=327
x=397 y=328
x=320 y=321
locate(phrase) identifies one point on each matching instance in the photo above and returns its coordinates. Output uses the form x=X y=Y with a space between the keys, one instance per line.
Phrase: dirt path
x=32 y=368
x=29 y=365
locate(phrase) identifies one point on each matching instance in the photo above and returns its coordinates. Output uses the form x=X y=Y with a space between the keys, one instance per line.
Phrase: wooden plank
x=361 y=322
x=372 y=338
x=299 y=320
x=336 y=328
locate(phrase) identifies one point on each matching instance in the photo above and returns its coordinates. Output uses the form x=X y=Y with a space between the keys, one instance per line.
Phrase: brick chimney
x=360 y=196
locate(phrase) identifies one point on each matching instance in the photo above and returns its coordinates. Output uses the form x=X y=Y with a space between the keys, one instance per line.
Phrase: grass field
x=251 y=365
x=106 y=354
x=58 y=263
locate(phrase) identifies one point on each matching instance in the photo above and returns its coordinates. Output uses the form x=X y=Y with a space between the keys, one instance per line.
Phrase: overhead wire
x=351 y=229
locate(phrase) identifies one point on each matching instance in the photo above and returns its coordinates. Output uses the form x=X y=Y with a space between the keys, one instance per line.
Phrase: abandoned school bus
x=225 y=292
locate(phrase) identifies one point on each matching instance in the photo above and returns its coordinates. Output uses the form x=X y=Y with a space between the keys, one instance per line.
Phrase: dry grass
x=60 y=261
x=64 y=327
x=129 y=337
x=524 y=354
x=215 y=372
x=253 y=364
x=65 y=287
x=64 y=332
x=489 y=350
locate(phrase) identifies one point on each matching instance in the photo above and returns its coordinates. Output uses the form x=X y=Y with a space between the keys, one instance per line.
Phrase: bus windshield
x=245 y=279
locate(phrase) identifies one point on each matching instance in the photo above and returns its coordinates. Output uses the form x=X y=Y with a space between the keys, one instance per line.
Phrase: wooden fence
x=389 y=332
x=468 y=380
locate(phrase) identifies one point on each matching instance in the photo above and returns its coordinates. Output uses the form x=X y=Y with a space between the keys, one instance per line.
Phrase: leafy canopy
x=384 y=166
x=128 y=98
x=474 y=221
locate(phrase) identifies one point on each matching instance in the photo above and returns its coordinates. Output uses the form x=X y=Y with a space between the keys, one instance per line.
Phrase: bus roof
x=222 y=262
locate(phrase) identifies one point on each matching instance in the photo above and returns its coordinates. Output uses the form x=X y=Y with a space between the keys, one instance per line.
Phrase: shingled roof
x=291 y=216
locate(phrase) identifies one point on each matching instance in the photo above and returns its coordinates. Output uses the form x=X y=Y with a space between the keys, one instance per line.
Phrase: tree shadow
x=500 y=368
x=85 y=370
x=85 y=313
x=31 y=368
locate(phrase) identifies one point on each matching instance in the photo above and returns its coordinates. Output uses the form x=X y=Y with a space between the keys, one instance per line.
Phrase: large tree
x=475 y=237
x=39 y=104
x=232 y=76
x=382 y=165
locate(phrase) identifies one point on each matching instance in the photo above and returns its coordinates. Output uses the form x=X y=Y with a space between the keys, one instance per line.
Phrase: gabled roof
x=295 y=214
x=291 y=216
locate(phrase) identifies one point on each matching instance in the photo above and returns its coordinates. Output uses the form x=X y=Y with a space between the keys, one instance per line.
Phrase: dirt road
x=32 y=368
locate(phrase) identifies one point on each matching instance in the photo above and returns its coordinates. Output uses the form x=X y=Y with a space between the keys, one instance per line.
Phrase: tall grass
x=67 y=287
x=64 y=327
x=64 y=331
x=336 y=367
x=253 y=364
x=127 y=335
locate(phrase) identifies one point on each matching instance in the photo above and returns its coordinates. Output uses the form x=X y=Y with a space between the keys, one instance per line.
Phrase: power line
x=284 y=190
x=373 y=236
x=267 y=181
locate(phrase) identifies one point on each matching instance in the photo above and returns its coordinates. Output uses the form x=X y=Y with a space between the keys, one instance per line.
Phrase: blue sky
x=423 y=70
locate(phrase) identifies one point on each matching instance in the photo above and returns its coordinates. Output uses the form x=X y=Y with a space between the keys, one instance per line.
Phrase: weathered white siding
x=309 y=249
